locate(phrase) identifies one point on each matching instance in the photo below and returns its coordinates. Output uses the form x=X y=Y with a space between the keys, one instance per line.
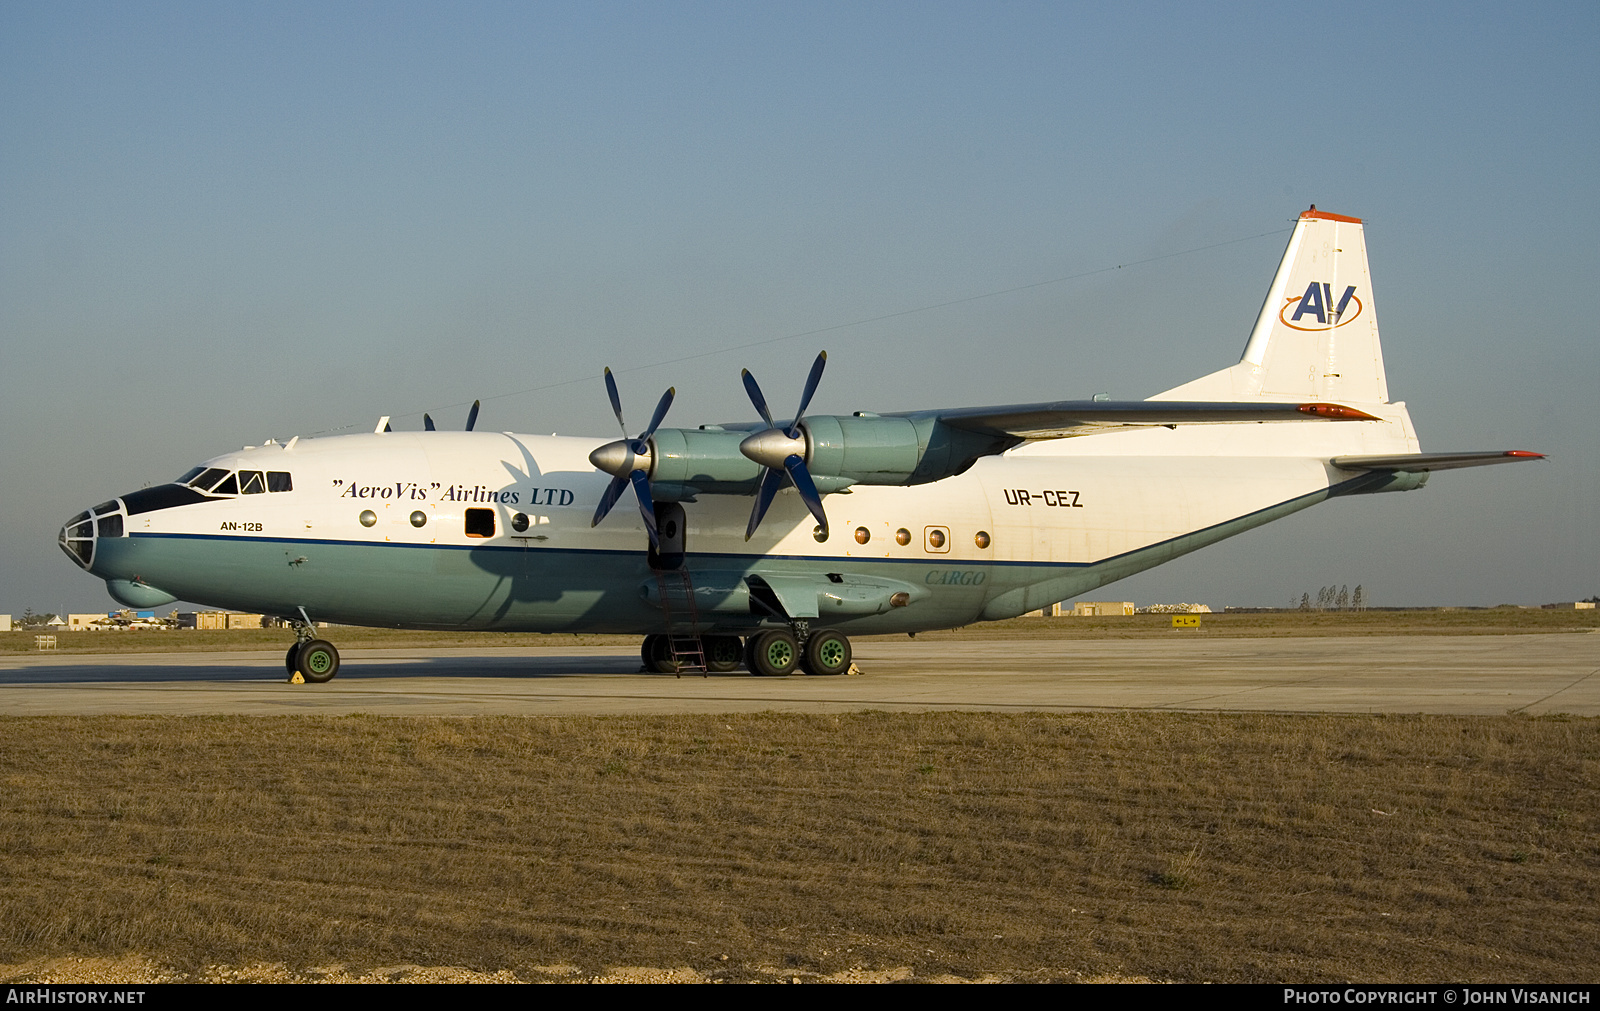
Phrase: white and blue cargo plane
x=860 y=524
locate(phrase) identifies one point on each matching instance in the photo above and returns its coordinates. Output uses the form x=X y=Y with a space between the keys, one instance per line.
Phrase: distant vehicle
x=767 y=544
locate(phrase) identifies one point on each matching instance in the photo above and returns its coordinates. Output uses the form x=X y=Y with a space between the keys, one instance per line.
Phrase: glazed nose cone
x=77 y=539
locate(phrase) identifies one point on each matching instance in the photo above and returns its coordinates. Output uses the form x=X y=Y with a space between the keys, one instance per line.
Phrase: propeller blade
x=661 y=412
x=754 y=389
x=647 y=508
x=472 y=415
x=764 y=448
x=807 y=489
x=613 y=492
x=616 y=401
x=771 y=481
x=805 y=398
x=427 y=423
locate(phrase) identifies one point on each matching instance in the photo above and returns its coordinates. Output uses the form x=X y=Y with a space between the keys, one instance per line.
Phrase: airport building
x=5 y=622
x=1099 y=608
x=219 y=620
x=1084 y=609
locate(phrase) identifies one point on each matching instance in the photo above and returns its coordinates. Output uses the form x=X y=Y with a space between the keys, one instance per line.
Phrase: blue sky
x=223 y=222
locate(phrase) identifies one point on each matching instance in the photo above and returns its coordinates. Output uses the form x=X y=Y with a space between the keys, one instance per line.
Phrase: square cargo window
x=480 y=522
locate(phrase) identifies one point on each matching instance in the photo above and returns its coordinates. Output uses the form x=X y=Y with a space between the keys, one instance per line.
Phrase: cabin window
x=278 y=480
x=252 y=482
x=419 y=518
x=519 y=522
x=863 y=535
x=480 y=522
x=368 y=518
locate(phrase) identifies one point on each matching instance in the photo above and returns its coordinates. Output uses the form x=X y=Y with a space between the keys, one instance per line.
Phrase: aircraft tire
x=656 y=652
x=827 y=652
x=776 y=653
x=289 y=661
x=317 y=661
x=724 y=653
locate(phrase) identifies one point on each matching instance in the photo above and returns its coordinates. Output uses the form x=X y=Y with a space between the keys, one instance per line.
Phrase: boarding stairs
x=676 y=589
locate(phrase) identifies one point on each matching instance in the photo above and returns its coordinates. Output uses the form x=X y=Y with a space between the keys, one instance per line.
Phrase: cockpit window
x=162 y=496
x=190 y=475
x=221 y=481
x=208 y=478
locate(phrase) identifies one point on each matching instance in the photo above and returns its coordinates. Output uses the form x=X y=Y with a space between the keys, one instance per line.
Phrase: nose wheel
x=317 y=661
x=313 y=659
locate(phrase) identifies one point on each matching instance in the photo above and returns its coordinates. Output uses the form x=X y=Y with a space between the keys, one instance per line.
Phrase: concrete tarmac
x=1477 y=674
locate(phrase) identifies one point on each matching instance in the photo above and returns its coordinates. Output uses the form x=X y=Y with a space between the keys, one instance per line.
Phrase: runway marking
x=1558 y=691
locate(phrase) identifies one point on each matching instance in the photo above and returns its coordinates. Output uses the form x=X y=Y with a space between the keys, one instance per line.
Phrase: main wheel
x=289 y=661
x=775 y=653
x=724 y=653
x=827 y=652
x=656 y=652
x=318 y=661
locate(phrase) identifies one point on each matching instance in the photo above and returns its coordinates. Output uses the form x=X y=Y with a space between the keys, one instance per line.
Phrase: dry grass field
x=1490 y=621
x=1168 y=846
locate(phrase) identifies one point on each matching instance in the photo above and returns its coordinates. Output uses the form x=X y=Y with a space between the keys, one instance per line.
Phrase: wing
x=1432 y=461
x=1066 y=418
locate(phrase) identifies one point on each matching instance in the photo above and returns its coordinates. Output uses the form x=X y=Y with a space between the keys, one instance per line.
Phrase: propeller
x=782 y=451
x=472 y=418
x=628 y=461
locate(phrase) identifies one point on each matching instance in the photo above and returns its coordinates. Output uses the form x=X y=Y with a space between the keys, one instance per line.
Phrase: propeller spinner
x=782 y=451
x=628 y=461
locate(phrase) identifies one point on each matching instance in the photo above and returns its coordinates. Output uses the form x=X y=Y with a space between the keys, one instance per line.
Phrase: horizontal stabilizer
x=1417 y=462
x=1085 y=417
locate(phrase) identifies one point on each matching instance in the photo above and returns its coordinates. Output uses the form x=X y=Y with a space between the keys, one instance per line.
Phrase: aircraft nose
x=77 y=539
x=81 y=533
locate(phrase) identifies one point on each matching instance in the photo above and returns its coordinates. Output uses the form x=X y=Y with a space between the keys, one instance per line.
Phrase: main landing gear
x=774 y=652
x=315 y=660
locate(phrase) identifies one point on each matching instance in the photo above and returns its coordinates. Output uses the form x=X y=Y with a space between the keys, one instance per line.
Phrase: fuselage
x=476 y=530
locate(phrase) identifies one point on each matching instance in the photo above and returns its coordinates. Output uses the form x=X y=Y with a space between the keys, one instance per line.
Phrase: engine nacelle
x=866 y=449
x=839 y=451
x=703 y=460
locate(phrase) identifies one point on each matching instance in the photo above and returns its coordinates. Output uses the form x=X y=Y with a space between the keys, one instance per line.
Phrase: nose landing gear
x=314 y=660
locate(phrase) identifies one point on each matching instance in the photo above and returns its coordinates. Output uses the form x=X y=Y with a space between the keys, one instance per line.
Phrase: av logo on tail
x=1317 y=302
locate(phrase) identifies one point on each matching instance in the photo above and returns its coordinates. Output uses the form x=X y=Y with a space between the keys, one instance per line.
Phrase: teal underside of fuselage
x=546 y=589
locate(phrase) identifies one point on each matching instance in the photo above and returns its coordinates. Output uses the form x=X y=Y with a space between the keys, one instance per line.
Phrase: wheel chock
x=297 y=679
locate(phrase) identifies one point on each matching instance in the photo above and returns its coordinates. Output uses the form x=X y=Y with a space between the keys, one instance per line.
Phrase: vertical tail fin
x=1317 y=335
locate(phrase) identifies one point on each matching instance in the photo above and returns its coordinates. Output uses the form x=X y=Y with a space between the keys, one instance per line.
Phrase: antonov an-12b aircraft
x=767 y=544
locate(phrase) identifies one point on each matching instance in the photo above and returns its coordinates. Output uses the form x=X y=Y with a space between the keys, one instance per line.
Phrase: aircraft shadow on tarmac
x=360 y=670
